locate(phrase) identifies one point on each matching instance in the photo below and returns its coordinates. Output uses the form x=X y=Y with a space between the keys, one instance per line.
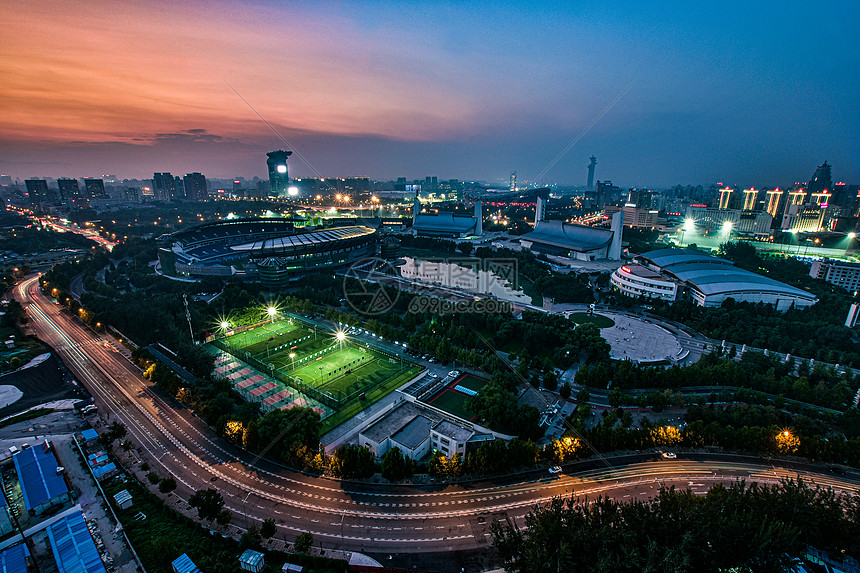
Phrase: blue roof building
x=89 y=435
x=12 y=560
x=73 y=546
x=41 y=485
x=184 y=564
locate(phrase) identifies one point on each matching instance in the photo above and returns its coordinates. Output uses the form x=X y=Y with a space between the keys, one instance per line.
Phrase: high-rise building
x=195 y=187
x=69 y=188
x=821 y=180
x=37 y=191
x=591 y=167
x=95 y=188
x=163 y=186
x=279 y=177
x=606 y=193
x=725 y=198
x=750 y=199
x=775 y=202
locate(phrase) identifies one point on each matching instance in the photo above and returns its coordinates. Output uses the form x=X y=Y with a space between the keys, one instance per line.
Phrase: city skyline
x=733 y=93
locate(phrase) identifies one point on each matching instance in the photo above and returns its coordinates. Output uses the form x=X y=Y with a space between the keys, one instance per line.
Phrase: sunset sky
x=748 y=93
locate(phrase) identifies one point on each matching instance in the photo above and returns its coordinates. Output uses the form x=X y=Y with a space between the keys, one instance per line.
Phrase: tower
x=591 y=167
x=513 y=184
x=479 y=219
x=279 y=177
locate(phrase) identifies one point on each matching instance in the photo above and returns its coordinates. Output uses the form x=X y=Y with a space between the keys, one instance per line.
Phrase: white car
x=555 y=470
x=669 y=456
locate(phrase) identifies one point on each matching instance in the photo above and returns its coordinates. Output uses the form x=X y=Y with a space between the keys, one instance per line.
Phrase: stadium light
x=852 y=235
x=225 y=325
x=272 y=311
x=340 y=336
x=689 y=224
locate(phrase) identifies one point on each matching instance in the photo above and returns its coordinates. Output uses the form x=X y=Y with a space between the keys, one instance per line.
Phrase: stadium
x=285 y=362
x=670 y=274
x=272 y=251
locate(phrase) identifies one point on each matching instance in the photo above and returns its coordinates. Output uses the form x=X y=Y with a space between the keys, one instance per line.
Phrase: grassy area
x=28 y=415
x=256 y=341
x=165 y=534
x=371 y=396
x=453 y=402
x=597 y=320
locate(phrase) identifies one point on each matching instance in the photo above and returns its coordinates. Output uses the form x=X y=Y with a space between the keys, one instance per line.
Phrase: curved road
x=356 y=516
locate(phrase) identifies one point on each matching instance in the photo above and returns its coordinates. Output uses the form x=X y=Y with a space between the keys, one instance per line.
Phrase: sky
x=753 y=93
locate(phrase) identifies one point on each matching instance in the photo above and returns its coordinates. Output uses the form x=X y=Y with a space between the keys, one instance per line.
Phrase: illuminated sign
x=626 y=269
x=698 y=205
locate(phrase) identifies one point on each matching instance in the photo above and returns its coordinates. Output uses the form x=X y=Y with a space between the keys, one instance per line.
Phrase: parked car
x=669 y=455
x=555 y=470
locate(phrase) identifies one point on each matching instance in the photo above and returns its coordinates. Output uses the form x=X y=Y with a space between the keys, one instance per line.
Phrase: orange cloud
x=112 y=71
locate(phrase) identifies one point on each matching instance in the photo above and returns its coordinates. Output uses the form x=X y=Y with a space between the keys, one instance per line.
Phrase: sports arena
x=272 y=251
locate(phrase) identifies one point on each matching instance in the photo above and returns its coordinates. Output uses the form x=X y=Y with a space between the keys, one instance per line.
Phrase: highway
x=372 y=518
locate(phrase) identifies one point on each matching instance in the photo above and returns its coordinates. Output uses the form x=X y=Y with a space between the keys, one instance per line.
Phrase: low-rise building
x=42 y=483
x=73 y=546
x=636 y=281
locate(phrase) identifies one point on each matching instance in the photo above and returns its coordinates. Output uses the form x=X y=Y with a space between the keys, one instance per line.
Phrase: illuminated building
x=279 y=176
x=69 y=188
x=839 y=273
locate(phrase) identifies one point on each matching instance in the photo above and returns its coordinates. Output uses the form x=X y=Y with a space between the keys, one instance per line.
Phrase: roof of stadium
x=445 y=222
x=569 y=236
x=715 y=276
x=303 y=240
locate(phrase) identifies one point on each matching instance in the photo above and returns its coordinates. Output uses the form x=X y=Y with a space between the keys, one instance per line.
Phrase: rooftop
x=569 y=236
x=309 y=239
x=414 y=433
x=184 y=564
x=444 y=222
x=12 y=559
x=73 y=546
x=453 y=431
x=37 y=473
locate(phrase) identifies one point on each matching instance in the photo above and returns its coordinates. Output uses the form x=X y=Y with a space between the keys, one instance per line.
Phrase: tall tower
x=513 y=186
x=591 y=167
x=479 y=218
x=279 y=177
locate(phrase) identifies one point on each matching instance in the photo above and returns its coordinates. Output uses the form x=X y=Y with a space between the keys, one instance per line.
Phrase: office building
x=821 y=180
x=279 y=176
x=607 y=194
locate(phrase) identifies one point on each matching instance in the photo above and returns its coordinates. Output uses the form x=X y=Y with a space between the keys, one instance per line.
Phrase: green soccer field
x=256 y=339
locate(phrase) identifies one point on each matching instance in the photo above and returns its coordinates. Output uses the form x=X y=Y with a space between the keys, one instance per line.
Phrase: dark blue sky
x=747 y=93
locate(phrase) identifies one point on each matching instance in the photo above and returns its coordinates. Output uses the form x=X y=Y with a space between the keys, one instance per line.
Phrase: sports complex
x=452 y=397
x=291 y=363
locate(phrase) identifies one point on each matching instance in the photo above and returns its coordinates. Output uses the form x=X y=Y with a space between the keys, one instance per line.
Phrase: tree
x=565 y=391
x=550 y=381
x=615 y=397
x=166 y=485
x=304 y=542
x=268 y=528
x=465 y=248
x=126 y=445
x=350 y=461
x=224 y=517
x=294 y=434
x=396 y=466
x=583 y=395
x=208 y=502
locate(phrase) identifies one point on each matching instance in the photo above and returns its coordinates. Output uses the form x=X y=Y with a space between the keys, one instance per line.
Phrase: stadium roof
x=444 y=222
x=714 y=276
x=569 y=236
x=12 y=559
x=665 y=258
x=73 y=546
x=37 y=473
x=301 y=240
